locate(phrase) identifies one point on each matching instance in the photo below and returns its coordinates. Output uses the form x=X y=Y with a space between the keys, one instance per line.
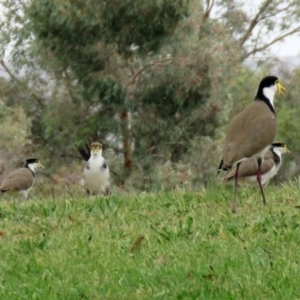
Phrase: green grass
x=169 y=245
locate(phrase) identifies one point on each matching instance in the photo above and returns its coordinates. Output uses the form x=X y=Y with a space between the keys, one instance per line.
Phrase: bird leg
x=236 y=177
x=259 y=161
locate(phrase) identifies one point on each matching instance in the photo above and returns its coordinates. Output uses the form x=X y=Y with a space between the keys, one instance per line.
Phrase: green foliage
x=15 y=128
x=141 y=23
x=15 y=125
x=86 y=23
x=171 y=245
x=176 y=102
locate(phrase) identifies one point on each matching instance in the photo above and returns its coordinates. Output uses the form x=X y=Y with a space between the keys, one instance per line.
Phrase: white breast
x=96 y=177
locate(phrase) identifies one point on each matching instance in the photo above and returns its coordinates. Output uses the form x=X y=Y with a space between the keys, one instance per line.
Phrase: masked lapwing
x=20 y=181
x=96 y=172
x=252 y=131
x=269 y=168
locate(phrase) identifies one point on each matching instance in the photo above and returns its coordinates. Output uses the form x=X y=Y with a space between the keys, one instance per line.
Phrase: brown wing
x=250 y=132
x=21 y=179
x=268 y=162
x=249 y=167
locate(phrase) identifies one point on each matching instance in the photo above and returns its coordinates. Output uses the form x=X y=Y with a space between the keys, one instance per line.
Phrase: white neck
x=31 y=167
x=269 y=92
x=278 y=151
x=99 y=154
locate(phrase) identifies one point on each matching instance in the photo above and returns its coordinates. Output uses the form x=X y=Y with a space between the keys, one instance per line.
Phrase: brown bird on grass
x=20 y=181
x=251 y=132
x=269 y=168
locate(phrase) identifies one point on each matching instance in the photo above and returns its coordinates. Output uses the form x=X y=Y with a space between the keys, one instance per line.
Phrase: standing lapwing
x=252 y=131
x=20 y=181
x=269 y=168
x=96 y=172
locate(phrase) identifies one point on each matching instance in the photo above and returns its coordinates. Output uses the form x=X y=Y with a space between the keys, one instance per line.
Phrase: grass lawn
x=169 y=245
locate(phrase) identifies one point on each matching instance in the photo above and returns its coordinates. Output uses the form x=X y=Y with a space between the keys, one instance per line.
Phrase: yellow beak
x=40 y=165
x=95 y=150
x=286 y=150
x=281 y=89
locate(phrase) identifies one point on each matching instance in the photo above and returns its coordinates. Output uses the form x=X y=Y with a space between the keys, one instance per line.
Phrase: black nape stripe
x=220 y=168
x=261 y=97
x=277 y=158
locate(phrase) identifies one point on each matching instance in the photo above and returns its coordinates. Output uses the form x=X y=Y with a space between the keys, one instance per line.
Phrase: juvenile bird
x=251 y=132
x=20 y=181
x=96 y=172
x=269 y=168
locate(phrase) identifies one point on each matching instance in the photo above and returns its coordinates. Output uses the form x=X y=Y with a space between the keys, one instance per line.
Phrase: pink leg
x=236 y=177
x=259 y=161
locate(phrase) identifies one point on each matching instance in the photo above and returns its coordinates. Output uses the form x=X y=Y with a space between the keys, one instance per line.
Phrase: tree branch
x=269 y=15
x=206 y=13
x=254 y=22
x=257 y=38
x=209 y=6
x=133 y=79
x=279 y=38
x=13 y=77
